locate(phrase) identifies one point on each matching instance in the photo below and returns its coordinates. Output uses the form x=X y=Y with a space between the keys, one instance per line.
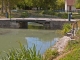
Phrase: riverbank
x=68 y=48
x=60 y=47
x=57 y=49
x=61 y=44
x=73 y=49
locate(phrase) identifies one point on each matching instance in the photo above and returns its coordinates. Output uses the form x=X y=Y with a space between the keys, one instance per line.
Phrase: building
x=69 y=5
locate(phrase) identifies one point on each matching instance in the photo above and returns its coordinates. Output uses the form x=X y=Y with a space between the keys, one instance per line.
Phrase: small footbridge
x=50 y=23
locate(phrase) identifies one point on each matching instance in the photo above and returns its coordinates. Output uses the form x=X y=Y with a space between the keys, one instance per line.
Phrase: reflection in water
x=40 y=44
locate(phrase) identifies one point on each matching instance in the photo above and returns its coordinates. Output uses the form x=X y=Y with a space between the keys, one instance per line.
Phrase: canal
x=43 y=39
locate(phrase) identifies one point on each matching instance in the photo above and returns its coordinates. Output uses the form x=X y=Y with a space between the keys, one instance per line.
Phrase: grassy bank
x=74 y=48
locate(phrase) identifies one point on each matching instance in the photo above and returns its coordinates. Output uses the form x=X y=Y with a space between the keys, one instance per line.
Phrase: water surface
x=41 y=45
x=9 y=38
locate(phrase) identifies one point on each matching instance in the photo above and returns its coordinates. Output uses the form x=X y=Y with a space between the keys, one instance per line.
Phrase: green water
x=9 y=38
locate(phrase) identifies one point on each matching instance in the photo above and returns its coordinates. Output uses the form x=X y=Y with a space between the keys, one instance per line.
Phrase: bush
x=66 y=28
x=62 y=15
x=24 y=14
x=48 y=12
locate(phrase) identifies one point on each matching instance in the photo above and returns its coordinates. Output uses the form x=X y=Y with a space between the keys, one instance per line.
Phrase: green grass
x=74 y=55
x=50 y=54
x=23 y=54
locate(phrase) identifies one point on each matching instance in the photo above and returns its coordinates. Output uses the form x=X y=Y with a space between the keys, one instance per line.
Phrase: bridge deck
x=36 y=19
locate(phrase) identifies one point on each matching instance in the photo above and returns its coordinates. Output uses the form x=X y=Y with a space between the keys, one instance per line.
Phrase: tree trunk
x=40 y=8
x=37 y=8
x=2 y=7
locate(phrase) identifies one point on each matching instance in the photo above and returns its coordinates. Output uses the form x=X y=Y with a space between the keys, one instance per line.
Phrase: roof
x=70 y=2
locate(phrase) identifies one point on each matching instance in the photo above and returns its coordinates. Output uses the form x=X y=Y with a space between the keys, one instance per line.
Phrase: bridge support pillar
x=23 y=24
x=46 y=25
x=56 y=25
x=51 y=25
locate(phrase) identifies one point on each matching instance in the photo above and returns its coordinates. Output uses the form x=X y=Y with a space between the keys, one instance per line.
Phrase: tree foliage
x=77 y=4
x=44 y=4
x=60 y=4
x=9 y=4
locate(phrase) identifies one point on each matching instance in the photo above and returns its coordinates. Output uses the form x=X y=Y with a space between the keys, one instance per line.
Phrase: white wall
x=65 y=6
x=72 y=8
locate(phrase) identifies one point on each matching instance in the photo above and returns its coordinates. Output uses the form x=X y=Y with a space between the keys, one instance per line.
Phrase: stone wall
x=14 y=24
x=4 y=24
x=21 y=24
x=8 y=24
x=58 y=24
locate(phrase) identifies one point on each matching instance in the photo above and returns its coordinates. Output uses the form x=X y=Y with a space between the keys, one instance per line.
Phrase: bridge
x=36 y=19
x=50 y=23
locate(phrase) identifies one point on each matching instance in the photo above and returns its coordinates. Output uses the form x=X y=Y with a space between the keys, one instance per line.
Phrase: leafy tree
x=41 y=3
x=45 y=4
x=77 y=4
x=22 y=4
x=8 y=4
x=1 y=2
x=60 y=4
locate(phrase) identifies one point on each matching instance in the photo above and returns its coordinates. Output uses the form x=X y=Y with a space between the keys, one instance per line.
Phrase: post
x=10 y=9
x=7 y=15
x=69 y=16
x=44 y=24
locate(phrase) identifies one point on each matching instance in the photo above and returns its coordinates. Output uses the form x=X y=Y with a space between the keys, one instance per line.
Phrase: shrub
x=48 y=12
x=66 y=28
x=24 y=14
x=62 y=15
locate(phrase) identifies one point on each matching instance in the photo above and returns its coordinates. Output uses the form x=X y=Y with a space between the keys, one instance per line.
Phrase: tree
x=49 y=4
x=2 y=6
x=41 y=3
x=60 y=4
x=77 y=4
x=9 y=4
